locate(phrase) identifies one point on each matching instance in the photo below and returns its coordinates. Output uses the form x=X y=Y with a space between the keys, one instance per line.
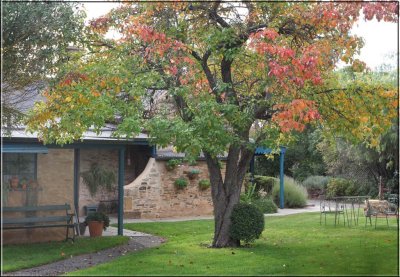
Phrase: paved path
x=138 y=241
x=87 y=260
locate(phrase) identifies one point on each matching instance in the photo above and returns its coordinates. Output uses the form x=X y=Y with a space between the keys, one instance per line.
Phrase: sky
x=381 y=38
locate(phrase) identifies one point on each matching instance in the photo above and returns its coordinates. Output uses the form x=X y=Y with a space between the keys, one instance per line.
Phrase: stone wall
x=154 y=195
x=55 y=173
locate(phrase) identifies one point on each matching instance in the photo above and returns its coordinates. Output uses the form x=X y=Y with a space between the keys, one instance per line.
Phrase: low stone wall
x=154 y=195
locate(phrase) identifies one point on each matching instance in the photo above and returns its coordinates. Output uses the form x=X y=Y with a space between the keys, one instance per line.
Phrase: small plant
x=98 y=177
x=249 y=195
x=193 y=173
x=172 y=164
x=204 y=184
x=265 y=183
x=181 y=183
x=247 y=223
x=98 y=216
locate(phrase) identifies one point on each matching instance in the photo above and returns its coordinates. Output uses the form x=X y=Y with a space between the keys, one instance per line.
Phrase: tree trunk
x=226 y=192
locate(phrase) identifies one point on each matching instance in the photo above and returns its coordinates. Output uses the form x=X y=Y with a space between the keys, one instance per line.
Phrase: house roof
x=105 y=135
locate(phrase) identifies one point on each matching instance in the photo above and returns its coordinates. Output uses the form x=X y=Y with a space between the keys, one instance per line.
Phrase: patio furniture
x=31 y=220
x=380 y=208
x=330 y=206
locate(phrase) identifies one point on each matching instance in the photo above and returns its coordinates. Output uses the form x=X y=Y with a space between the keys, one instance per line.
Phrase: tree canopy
x=35 y=37
x=233 y=76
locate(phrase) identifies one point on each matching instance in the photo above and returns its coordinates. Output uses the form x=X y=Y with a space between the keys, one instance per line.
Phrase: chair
x=327 y=207
x=379 y=208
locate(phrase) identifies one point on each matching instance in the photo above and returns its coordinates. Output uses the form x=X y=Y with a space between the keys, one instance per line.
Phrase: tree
x=35 y=37
x=235 y=75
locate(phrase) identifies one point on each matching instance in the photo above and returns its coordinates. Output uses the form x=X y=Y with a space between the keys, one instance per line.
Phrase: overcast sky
x=381 y=38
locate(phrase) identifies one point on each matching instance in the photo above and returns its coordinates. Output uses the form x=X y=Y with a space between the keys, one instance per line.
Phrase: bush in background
x=341 y=187
x=316 y=185
x=247 y=223
x=295 y=195
x=265 y=205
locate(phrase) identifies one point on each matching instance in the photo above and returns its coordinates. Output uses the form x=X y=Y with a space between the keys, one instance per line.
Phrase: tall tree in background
x=235 y=75
x=35 y=37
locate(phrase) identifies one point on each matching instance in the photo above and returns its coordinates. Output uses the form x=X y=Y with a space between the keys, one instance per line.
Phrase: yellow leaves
x=68 y=99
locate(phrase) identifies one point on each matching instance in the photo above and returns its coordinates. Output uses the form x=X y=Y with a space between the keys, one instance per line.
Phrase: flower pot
x=14 y=181
x=95 y=228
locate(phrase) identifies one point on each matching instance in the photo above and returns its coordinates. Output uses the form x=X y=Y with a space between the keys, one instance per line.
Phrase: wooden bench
x=32 y=221
x=380 y=208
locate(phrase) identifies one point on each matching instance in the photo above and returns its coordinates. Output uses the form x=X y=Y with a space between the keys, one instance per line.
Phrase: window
x=19 y=165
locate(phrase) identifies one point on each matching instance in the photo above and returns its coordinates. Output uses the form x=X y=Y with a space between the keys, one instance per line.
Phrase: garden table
x=350 y=207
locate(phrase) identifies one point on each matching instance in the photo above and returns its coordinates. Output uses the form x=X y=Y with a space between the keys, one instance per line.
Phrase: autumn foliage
x=231 y=71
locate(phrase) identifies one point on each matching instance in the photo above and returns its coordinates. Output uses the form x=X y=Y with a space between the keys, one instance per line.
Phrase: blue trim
x=281 y=178
x=77 y=154
x=262 y=151
x=121 y=170
x=24 y=148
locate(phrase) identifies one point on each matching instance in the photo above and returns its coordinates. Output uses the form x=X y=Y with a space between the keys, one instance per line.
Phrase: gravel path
x=87 y=260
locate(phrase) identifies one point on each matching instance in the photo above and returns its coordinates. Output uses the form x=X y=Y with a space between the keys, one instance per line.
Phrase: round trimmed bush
x=247 y=222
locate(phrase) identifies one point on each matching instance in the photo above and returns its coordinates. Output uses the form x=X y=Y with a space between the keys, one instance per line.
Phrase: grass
x=290 y=245
x=16 y=257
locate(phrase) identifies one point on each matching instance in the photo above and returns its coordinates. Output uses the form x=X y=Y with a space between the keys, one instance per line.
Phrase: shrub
x=204 y=184
x=98 y=216
x=265 y=205
x=247 y=223
x=181 y=183
x=172 y=164
x=341 y=187
x=316 y=185
x=265 y=183
x=295 y=195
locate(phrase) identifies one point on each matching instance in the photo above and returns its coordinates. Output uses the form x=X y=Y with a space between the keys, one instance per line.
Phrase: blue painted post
x=77 y=154
x=281 y=176
x=121 y=169
x=252 y=170
x=154 y=151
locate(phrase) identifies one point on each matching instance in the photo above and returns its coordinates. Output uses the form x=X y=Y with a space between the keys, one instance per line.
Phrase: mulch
x=88 y=260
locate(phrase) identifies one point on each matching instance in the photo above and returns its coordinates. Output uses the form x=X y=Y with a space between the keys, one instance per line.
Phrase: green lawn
x=290 y=245
x=17 y=257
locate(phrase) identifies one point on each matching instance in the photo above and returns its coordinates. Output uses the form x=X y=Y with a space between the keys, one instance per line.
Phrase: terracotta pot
x=14 y=182
x=96 y=228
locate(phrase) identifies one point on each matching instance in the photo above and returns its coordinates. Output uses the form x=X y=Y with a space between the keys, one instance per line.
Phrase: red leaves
x=388 y=11
x=295 y=115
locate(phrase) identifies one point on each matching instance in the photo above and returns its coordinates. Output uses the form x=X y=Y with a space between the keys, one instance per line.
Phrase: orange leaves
x=295 y=115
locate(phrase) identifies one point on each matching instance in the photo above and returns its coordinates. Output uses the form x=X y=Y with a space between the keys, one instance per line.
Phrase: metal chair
x=327 y=207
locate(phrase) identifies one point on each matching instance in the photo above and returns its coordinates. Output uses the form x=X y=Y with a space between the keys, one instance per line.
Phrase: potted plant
x=204 y=184
x=97 y=222
x=181 y=183
x=98 y=177
x=24 y=184
x=193 y=173
x=14 y=182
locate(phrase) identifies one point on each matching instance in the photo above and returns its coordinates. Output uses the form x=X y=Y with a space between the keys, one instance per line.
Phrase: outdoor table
x=350 y=206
